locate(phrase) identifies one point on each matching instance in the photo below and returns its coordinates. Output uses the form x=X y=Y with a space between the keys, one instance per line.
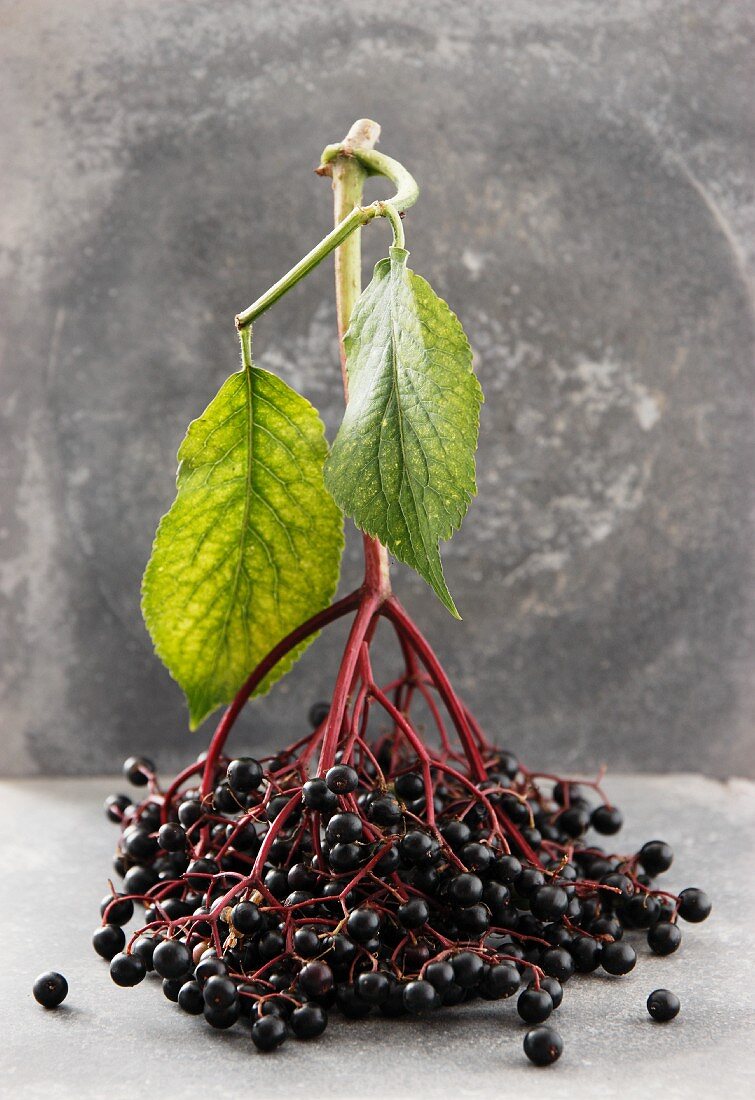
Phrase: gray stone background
x=586 y=209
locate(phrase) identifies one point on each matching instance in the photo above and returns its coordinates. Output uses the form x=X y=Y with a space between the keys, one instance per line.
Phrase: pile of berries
x=396 y=882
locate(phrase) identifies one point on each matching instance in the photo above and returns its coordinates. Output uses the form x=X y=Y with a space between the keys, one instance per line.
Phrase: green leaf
x=402 y=465
x=252 y=544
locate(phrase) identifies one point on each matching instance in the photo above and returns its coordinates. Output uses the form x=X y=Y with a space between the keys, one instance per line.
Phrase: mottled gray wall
x=585 y=209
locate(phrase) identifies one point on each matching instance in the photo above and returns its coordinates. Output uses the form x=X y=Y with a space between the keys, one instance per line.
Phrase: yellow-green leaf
x=252 y=544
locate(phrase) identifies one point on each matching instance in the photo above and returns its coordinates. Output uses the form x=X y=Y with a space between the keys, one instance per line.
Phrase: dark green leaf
x=402 y=465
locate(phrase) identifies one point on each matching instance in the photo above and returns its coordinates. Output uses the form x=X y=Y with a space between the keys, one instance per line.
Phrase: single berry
x=694 y=905
x=190 y=998
x=246 y=917
x=557 y=963
x=318 y=712
x=664 y=938
x=115 y=804
x=534 y=1005
x=171 y=959
x=171 y=837
x=317 y=795
x=420 y=996
x=137 y=769
x=316 y=979
x=543 y=1046
x=127 y=970
x=467 y=968
x=607 y=820
x=413 y=913
x=219 y=992
x=373 y=987
x=409 y=786
x=663 y=1005
x=50 y=989
x=308 y=1021
x=363 y=925
x=108 y=941
x=618 y=958
x=655 y=857
x=268 y=1032
x=116 y=910
x=344 y=828
x=549 y=903
x=244 y=774
x=341 y=779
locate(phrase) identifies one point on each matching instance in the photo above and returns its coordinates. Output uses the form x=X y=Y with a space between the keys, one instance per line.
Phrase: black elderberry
x=108 y=941
x=554 y=987
x=663 y=1005
x=318 y=712
x=115 y=804
x=50 y=989
x=344 y=828
x=506 y=869
x=144 y=948
x=222 y=1018
x=607 y=820
x=315 y=978
x=246 y=918
x=498 y=981
x=350 y=1004
x=244 y=775
x=529 y=881
x=171 y=837
x=440 y=975
x=413 y=913
x=385 y=811
x=271 y=945
x=474 y=921
x=586 y=954
x=307 y=943
x=189 y=812
x=373 y=987
x=655 y=857
x=415 y=847
x=137 y=769
x=209 y=966
x=534 y=1005
x=557 y=963
x=127 y=970
x=476 y=857
x=199 y=873
x=574 y=821
x=308 y=1021
x=694 y=905
x=664 y=938
x=409 y=786
x=341 y=779
x=138 y=843
x=456 y=833
x=508 y=764
x=172 y=987
x=549 y=902
x=543 y=1046
x=641 y=911
x=318 y=796
x=219 y=992
x=420 y=996
x=515 y=809
x=618 y=958
x=171 y=959
x=363 y=925
x=467 y=968
x=465 y=889
x=344 y=857
x=116 y=910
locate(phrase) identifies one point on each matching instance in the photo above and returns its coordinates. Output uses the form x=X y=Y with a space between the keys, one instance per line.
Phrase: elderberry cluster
x=393 y=883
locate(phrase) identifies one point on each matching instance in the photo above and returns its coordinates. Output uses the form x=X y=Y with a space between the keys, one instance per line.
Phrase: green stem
x=372 y=163
x=245 y=336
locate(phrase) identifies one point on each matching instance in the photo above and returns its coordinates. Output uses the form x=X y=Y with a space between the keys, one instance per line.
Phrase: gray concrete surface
x=117 y=1043
x=586 y=208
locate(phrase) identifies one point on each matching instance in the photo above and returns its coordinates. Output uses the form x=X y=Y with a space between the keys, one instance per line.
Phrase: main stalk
x=348 y=177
